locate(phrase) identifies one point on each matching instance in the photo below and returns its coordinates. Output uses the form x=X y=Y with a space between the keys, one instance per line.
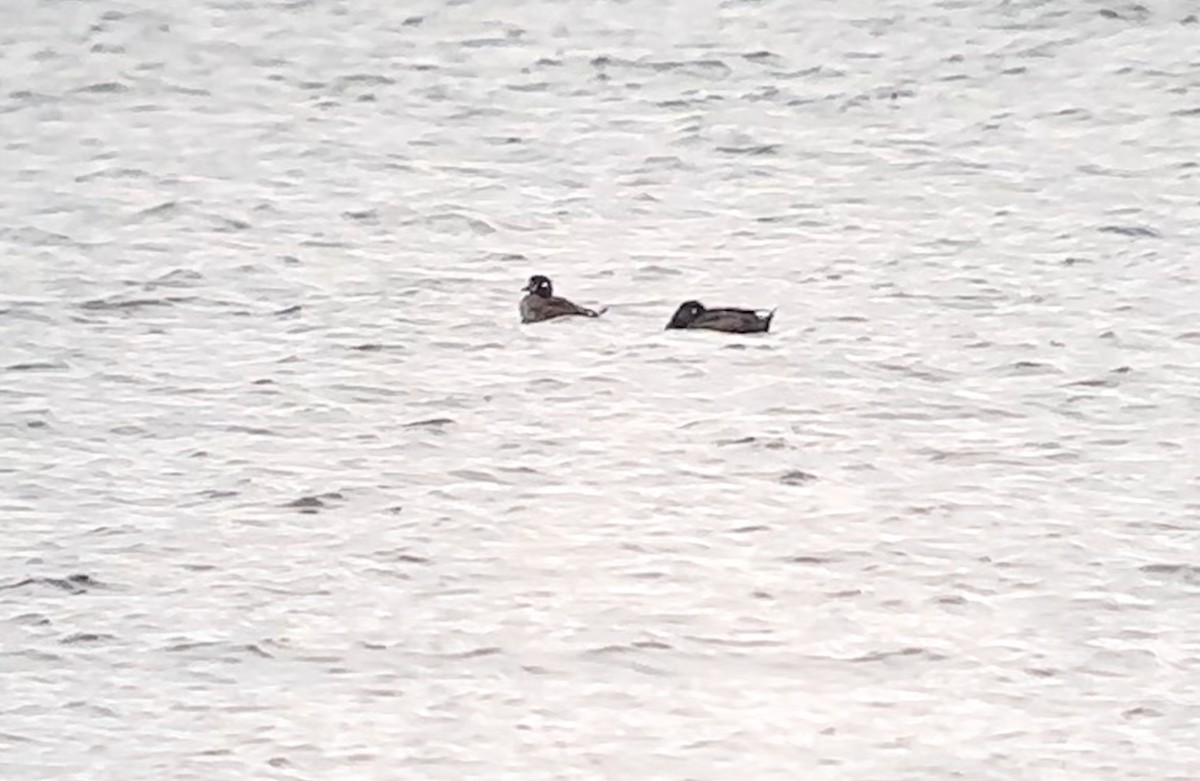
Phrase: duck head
x=686 y=314
x=539 y=286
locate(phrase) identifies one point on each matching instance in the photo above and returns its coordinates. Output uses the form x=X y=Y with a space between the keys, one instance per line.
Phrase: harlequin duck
x=542 y=304
x=692 y=314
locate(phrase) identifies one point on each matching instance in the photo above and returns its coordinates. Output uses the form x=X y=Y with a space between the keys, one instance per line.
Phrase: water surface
x=289 y=493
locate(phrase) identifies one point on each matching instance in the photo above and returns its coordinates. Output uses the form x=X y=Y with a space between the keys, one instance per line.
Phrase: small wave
x=506 y=257
x=179 y=277
x=114 y=173
x=1189 y=573
x=536 y=86
x=656 y=270
x=403 y=558
x=1134 y=231
x=797 y=477
x=104 y=88
x=36 y=237
x=879 y=656
x=262 y=432
x=476 y=476
x=452 y=222
x=433 y=423
x=637 y=645
x=121 y=302
x=734 y=642
x=214 y=493
x=1097 y=382
x=755 y=150
x=768 y=443
x=705 y=69
x=765 y=57
x=1136 y=13
x=666 y=162
x=809 y=560
x=369 y=79
x=1033 y=367
x=79 y=638
x=484 y=43
x=223 y=224
x=370 y=216
x=311 y=504
x=166 y=208
x=73 y=584
x=32 y=97
x=474 y=653
x=37 y=366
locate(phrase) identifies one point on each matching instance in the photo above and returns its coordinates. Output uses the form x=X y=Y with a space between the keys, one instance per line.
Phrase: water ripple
x=278 y=455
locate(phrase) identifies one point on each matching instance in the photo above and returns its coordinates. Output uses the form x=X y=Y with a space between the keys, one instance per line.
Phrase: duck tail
x=768 y=318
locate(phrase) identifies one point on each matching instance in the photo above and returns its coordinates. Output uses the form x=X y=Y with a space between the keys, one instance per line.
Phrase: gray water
x=289 y=493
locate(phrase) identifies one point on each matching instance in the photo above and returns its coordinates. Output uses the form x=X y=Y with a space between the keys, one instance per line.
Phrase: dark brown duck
x=693 y=314
x=542 y=304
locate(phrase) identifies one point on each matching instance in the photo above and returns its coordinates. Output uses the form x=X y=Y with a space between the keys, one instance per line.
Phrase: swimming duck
x=542 y=304
x=692 y=314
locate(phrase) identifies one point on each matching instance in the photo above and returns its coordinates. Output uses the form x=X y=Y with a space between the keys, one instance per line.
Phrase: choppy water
x=288 y=492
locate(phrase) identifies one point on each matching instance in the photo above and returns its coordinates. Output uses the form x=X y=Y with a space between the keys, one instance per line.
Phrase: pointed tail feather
x=767 y=320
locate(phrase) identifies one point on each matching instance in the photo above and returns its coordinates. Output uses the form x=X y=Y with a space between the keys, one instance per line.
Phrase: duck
x=541 y=303
x=693 y=314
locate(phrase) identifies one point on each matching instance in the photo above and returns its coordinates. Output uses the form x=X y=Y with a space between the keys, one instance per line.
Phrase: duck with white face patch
x=541 y=303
